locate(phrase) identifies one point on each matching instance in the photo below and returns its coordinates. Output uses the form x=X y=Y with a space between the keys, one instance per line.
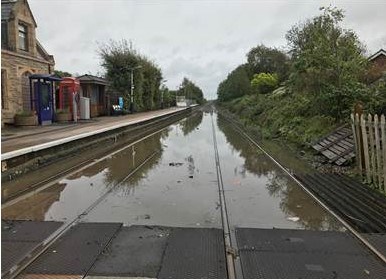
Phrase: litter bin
x=84 y=108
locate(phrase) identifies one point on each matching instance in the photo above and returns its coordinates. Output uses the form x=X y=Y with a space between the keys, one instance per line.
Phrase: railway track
x=230 y=243
x=337 y=203
x=41 y=248
x=110 y=143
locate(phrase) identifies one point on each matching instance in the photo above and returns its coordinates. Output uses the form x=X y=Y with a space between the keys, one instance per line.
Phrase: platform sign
x=120 y=101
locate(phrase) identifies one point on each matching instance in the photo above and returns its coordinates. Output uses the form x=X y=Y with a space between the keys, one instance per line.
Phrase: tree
x=262 y=59
x=264 y=82
x=327 y=62
x=190 y=91
x=62 y=74
x=235 y=85
x=119 y=60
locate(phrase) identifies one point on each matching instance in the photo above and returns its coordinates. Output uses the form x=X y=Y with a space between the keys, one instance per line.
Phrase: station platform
x=16 y=141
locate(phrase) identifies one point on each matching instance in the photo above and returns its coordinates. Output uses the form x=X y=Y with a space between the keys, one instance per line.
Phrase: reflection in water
x=191 y=123
x=123 y=164
x=180 y=190
x=294 y=203
x=178 y=185
x=34 y=208
x=73 y=195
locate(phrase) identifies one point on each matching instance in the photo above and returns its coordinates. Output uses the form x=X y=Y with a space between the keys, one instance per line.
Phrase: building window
x=4 y=89
x=23 y=37
x=4 y=35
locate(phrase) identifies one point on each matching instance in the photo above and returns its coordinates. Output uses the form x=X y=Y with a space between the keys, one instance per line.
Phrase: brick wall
x=380 y=62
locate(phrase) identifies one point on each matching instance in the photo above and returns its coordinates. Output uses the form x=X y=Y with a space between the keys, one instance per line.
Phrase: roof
x=338 y=146
x=6 y=9
x=378 y=53
x=90 y=79
x=47 y=77
x=70 y=80
x=42 y=51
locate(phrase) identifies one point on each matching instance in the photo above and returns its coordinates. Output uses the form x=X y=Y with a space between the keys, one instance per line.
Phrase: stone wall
x=15 y=66
x=16 y=62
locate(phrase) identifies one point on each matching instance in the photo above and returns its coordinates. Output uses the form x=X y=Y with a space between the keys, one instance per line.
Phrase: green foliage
x=326 y=78
x=190 y=91
x=283 y=115
x=235 y=85
x=374 y=100
x=170 y=98
x=262 y=59
x=327 y=62
x=264 y=82
x=62 y=74
x=119 y=59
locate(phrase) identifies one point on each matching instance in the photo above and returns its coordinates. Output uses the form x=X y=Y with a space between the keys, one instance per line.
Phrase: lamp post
x=132 y=87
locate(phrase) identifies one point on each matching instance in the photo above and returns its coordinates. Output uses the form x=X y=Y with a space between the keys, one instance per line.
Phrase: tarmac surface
x=17 y=138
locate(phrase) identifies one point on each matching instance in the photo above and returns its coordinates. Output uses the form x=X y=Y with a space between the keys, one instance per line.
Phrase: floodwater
x=175 y=184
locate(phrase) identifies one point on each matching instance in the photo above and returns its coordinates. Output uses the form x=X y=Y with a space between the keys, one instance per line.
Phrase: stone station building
x=21 y=56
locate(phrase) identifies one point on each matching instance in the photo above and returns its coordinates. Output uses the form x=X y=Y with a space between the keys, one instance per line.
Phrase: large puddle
x=177 y=186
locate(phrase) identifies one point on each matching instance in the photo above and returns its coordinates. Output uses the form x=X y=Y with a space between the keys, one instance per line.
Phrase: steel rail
x=42 y=185
x=350 y=229
x=67 y=174
x=44 y=245
x=148 y=127
x=229 y=244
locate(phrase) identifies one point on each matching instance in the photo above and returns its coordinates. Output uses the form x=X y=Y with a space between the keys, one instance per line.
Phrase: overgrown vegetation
x=264 y=82
x=190 y=91
x=121 y=61
x=321 y=76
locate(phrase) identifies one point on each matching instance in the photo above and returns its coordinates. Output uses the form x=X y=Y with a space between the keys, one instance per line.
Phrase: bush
x=265 y=82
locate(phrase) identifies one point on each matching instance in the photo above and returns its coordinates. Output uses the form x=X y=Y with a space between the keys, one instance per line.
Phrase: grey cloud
x=203 y=40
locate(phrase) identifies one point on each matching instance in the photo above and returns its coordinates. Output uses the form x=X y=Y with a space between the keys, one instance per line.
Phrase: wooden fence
x=370 y=142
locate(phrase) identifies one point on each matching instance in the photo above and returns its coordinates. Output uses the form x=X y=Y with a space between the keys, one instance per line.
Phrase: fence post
x=365 y=149
x=354 y=126
x=378 y=151
x=383 y=136
x=373 y=168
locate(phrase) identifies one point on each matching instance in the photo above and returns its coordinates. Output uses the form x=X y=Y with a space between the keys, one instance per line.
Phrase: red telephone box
x=69 y=96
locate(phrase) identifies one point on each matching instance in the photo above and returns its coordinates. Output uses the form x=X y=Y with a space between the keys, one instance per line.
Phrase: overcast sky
x=202 y=40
